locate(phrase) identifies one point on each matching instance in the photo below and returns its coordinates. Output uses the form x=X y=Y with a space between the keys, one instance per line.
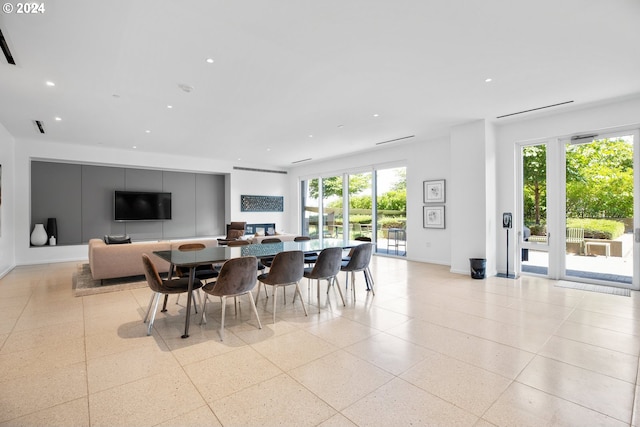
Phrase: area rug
x=84 y=284
x=595 y=288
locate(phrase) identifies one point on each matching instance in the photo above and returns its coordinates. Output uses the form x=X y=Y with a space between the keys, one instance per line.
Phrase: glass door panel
x=534 y=238
x=332 y=207
x=360 y=205
x=600 y=204
x=310 y=208
x=391 y=211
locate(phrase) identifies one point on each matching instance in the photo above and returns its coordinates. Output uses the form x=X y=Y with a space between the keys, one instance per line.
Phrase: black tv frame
x=158 y=201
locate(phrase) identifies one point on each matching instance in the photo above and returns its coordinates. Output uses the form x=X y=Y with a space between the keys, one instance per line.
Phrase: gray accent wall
x=81 y=197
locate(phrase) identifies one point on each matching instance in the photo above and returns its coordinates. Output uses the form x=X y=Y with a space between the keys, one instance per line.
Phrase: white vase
x=38 y=235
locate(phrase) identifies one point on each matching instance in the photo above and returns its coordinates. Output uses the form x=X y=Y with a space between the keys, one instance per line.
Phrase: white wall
x=255 y=183
x=7 y=218
x=424 y=160
x=620 y=113
x=472 y=204
x=26 y=150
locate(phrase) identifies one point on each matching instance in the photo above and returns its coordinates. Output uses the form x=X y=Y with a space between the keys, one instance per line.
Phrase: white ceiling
x=287 y=69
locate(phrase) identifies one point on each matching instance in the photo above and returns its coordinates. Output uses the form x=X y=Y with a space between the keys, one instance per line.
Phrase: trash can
x=478 y=267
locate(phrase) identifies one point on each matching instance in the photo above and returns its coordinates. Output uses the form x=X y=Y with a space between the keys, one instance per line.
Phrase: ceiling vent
x=534 y=109
x=39 y=125
x=300 y=161
x=5 y=49
x=395 y=140
x=240 y=168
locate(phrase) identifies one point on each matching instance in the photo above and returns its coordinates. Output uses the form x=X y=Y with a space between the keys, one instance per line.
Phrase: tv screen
x=142 y=206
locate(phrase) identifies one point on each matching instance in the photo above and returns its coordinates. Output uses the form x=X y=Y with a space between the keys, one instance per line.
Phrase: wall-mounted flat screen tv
x=142 y=206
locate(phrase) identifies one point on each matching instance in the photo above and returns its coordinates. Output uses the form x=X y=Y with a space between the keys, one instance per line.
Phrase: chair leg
x=274 y=294
x=353 y=285
x=368 y=273
x=146 y=317
x=164 y=304
x=337 y=285
x=153 y=315
x=203 y=318
x=255 y=310
x=224 y=306
x=258 y=293
x=318 y=289
x=301 y=299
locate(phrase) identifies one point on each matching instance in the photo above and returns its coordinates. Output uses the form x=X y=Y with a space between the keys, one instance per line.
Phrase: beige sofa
x=111 y=261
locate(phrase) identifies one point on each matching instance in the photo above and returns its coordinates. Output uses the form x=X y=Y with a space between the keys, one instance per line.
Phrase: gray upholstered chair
x=267 y=260
x=159 y=287
x=235 y=230
x=359 y=259
x=286 y=269
x=203 y=272
x=326 y=268
x=237 y=277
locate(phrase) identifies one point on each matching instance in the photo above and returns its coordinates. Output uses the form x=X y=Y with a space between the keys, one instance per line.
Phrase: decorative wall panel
x=261 y=203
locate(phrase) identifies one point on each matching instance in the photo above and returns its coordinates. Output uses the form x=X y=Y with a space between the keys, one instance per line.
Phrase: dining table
x=219 y=254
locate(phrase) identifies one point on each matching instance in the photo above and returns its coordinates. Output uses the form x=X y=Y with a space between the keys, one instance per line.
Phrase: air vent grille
x=534 y=109
x=300 y=161
x=395 y=140
x=39 y=125
x=5 y=49
x=240 y=168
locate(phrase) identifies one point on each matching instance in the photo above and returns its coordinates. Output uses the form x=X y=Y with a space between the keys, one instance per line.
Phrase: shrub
x=538 y=229
x=598 y=228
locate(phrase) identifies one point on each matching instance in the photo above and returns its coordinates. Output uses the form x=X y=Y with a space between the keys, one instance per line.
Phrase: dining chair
x=160 y=286
x=203 y=272
x=301 y=238
x=267 y=260
x=237 y=277
x=359 y=259
x=286 y=269
x=238 y=242
x=326 y=268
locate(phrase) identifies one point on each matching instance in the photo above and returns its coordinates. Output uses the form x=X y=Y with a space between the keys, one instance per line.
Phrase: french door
x=579 y=205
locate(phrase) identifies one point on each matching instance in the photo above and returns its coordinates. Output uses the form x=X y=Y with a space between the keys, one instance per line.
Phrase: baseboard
x=7 y=271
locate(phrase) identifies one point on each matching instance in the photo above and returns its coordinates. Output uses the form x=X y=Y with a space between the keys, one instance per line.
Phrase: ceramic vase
x=38 y=235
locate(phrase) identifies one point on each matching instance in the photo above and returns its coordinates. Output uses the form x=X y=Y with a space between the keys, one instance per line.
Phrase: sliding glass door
x=579 y=207
x=367 y=204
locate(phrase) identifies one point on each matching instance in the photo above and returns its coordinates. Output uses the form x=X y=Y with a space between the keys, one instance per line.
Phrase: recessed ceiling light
x=268 y=149
x=488 y=80
x=310 y=136
x=134 y=146
x=239 y=158
x=58 y=119
x=209 y=60
x=147 y=131
x=169 y=106
x=50 y=83
x=376 y=115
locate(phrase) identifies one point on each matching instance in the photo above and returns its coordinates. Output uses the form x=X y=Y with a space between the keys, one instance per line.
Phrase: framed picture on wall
x=433 y=216
x=434 y=191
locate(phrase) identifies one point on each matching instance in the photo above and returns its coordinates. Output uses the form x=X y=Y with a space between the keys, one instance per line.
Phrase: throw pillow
x=117 y=240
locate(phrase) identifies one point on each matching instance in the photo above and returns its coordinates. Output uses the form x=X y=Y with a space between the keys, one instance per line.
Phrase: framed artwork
x=433 y=217
x=434 y=191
